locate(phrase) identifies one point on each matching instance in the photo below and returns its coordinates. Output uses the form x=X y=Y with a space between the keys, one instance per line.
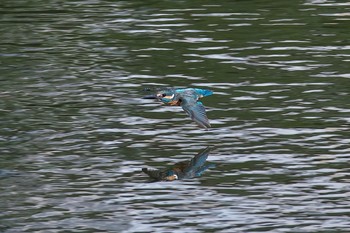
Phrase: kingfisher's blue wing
x=196 y=110
x=197 y=165
x=199 y=160
x=204 y=168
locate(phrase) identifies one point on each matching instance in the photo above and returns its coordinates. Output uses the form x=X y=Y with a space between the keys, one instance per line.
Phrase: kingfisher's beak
x=150 y=97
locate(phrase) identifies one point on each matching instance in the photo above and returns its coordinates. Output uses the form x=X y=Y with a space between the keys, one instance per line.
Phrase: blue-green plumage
x=187 y=98
x=182 y=170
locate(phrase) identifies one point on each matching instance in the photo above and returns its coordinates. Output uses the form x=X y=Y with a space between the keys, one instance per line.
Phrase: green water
x=75 y=132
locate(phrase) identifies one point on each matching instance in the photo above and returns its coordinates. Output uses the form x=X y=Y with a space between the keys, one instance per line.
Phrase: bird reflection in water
x=182 y=170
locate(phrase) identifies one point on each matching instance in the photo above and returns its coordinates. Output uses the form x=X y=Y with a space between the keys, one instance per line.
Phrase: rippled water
x=75 y=132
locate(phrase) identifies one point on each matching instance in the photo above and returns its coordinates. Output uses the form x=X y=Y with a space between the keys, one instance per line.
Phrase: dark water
x=75 y=134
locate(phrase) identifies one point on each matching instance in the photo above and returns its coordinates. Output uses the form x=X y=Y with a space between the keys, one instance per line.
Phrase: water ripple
x=75 y=132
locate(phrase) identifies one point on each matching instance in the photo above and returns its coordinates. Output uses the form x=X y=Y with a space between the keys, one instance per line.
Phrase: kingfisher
x=182 y=170
x=188 y=99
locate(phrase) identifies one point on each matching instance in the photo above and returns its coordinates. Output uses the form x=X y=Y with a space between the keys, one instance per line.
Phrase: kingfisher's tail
x=204 y=92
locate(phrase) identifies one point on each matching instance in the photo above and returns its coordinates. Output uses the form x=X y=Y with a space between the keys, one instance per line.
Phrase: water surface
x=75 y=132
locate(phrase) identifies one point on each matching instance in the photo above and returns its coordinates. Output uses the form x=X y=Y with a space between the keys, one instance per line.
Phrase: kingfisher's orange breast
x=174 y=103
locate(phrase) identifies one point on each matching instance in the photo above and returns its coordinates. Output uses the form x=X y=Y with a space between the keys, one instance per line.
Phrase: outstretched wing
x=199 y=160
x=196 y=110
x=204 y=168
x=197 y=165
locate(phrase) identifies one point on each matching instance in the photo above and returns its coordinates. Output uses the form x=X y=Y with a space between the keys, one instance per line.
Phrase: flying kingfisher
x=188 y=99
x=182 y=170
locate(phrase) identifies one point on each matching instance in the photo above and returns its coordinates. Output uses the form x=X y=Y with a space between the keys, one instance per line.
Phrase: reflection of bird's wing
x=155 y=174
x=198 y=160
x=203 y=168
x=195 y=109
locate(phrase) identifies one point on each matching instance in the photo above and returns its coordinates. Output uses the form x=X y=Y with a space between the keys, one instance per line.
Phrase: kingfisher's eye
x=163 y=94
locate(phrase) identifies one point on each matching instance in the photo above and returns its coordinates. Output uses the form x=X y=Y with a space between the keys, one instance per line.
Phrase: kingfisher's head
x=165 y=96
x=171 y=175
